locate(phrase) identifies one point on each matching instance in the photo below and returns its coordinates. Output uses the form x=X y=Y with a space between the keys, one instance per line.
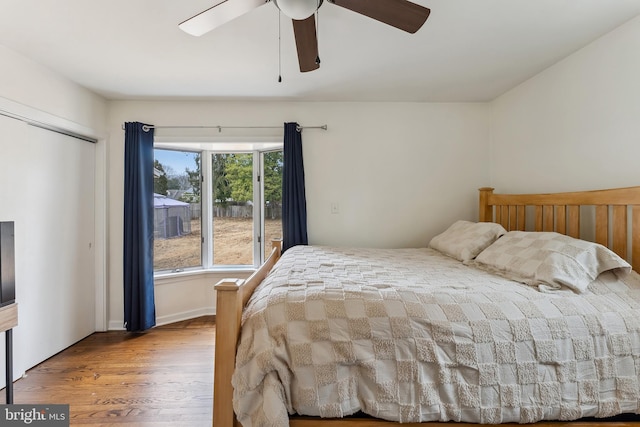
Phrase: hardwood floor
x=163 y=377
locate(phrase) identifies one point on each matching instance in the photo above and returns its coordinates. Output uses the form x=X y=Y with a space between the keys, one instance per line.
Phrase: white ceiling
x=468 y=50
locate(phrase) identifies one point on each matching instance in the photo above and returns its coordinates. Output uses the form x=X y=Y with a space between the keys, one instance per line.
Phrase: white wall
x=575 y=126
x=30 y=84
x=49 y=182
x=399 y=172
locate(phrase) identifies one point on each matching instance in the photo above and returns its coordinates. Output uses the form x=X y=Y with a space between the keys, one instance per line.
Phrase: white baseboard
x=186 y=315
x=118 y=325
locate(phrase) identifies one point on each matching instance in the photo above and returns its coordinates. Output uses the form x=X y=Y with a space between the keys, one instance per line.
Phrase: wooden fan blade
x=401 y=14
x=306 y=43
x=217 y=15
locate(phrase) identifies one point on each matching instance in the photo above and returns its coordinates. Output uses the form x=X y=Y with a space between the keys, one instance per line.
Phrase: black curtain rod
x=146 y=128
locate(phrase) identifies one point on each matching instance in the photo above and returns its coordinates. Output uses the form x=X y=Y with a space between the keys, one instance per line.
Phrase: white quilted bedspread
x=412 y=335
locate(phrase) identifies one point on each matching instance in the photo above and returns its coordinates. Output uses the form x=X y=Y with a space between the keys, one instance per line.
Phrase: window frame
x=264 y=246
x=182 y=270
x=257 y=259
x=206 y=151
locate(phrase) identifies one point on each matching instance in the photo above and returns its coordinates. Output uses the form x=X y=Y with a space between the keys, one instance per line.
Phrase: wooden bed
x=609 y=217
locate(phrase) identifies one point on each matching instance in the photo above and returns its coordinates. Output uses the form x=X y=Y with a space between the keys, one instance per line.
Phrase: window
x=215 y=208
x=272 y=190
x=233 y=195
x=176 y=210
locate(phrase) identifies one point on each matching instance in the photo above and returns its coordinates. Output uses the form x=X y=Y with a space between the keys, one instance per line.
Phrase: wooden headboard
x=609 y=217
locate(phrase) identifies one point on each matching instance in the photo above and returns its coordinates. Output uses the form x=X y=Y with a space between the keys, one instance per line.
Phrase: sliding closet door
x=47 y=188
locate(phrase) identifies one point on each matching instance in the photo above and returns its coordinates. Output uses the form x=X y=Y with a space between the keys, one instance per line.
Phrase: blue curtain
x=294 y=202
x=139 y=305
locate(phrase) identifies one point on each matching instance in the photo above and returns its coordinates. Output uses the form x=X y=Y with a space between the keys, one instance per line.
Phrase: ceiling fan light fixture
x=298 y=9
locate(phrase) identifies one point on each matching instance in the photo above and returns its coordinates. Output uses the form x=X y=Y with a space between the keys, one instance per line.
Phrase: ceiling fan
x=401 y=14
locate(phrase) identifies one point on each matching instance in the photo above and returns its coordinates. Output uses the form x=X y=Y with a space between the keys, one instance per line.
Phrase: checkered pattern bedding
x=412 y=335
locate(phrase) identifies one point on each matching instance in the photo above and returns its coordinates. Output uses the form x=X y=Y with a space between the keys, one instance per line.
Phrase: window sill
x=180 y=276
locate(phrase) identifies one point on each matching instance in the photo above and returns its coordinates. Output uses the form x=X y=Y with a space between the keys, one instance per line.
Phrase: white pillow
x=548 y=258
x=463 y=240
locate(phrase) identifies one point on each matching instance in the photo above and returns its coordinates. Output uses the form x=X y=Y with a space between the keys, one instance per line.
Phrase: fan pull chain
x=318 y=30
x=279 y=48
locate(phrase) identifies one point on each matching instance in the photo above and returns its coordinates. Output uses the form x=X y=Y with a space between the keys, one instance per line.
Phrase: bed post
x=485 y=212
x=228 y=320
x=231 y=297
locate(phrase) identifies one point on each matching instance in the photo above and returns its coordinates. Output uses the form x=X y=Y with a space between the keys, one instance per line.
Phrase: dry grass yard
x=233 y=244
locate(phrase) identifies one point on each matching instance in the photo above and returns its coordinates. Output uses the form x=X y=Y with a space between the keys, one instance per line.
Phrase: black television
x=7 y=264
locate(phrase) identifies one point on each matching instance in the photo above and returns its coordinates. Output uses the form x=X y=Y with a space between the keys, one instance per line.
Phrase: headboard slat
x=619 y=234
x=602 y=225
x=548 y=220
x=513 y=217
x=635 y=236
x=538 y=218
x=561 y=219
x=522 y=218
x=573 y=229
x=504 y=216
